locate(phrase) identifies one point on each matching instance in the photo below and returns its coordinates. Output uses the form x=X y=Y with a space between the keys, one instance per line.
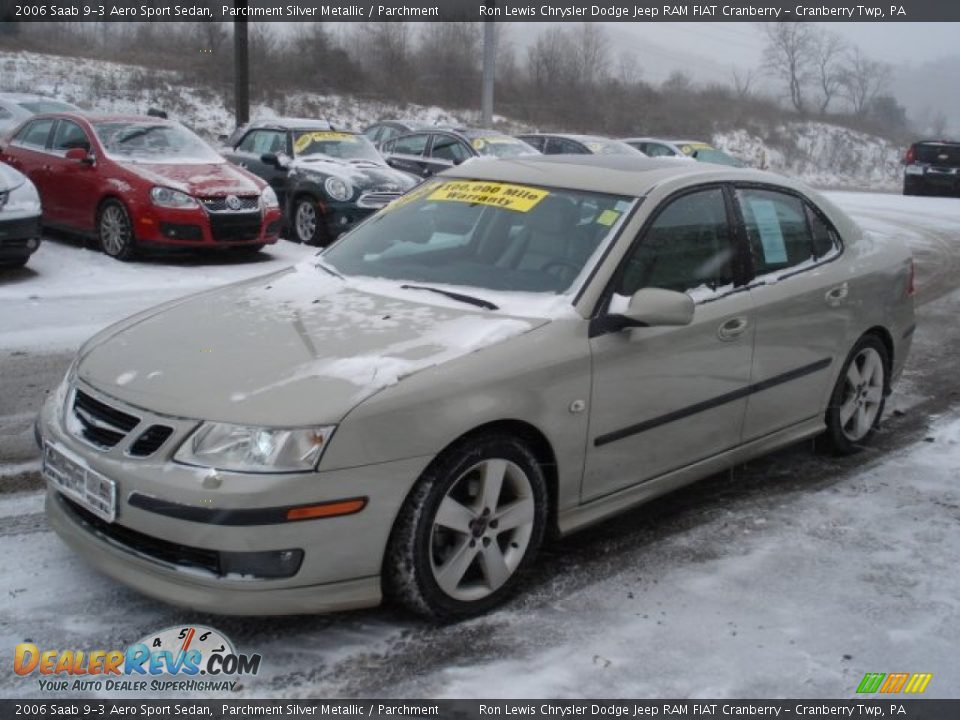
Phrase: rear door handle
x=837 y=295
x=732 y=329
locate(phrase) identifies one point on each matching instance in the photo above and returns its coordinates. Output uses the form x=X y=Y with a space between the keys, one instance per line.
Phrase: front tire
x=308 y=222
x=115 y=231
x=858 y=398
x=468 y=530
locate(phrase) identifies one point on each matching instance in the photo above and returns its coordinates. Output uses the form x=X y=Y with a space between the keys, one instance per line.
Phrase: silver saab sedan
x=515 y=349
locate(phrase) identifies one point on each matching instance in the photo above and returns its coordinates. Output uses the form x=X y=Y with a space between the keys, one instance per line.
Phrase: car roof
x=568 y=136
x=291 y=123
x=18 y=96
x=614 y=174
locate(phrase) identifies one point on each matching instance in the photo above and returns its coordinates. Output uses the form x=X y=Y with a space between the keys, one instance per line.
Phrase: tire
x=115 y=231
x=307 y=222
x=438 y=567
x=857 y=401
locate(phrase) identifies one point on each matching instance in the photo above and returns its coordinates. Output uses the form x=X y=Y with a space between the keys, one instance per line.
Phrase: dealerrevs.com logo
x=177 y=659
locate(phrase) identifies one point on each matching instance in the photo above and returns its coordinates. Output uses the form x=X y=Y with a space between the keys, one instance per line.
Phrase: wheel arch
x=886 y=338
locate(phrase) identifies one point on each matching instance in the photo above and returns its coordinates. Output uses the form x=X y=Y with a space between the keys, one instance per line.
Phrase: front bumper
x=195 y=227
x=342 y=556
x=19 y=237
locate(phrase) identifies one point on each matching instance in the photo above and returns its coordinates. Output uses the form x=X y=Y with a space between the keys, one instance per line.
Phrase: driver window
x=263 y=141
x=448 y=148
x=69 y=136
x=688 y=246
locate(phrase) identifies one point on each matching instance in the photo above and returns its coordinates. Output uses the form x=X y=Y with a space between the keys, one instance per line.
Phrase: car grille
x=98 y=423
x=150 y=440
x=376 y=200
x=219 y=204
x=235 y=227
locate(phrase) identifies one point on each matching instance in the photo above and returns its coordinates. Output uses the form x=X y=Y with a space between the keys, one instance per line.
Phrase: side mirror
x=278 y=160
x=649 y=307
x=79 y=155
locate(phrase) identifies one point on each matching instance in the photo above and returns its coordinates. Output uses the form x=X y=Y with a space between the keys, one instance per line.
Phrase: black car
x=326 y=180
x=384 y=130
x=427 y=152
x=19 y=218
x=932 y=167
x=564 y=144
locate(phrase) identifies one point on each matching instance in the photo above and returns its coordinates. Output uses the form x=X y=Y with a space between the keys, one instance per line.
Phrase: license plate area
x=73 y=478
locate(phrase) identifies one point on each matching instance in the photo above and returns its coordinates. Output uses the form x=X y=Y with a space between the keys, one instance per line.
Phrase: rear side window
x=657 y=150
x=778 y=230
x=69 y=136
x=410 y=145
x=537 y=141
x=35 y=134
x=826 y=240
x=449 y=148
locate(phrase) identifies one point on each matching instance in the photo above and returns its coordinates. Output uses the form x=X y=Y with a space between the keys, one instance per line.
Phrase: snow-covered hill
x=822 y=154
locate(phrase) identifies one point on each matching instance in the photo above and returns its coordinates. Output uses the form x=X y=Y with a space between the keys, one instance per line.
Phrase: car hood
x=9 y=178
x=298 y=347
x=204 y=179
x=362 y=174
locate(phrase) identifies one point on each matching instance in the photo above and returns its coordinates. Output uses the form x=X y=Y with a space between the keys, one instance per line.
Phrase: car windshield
x=154 y=143
x=46 y=106
x=482 y=234
x=501 y=146
x=717 y=157
x=603 y=146
x=345 y=146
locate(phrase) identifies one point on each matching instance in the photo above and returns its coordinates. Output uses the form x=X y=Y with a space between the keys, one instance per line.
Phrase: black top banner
x=471 y=10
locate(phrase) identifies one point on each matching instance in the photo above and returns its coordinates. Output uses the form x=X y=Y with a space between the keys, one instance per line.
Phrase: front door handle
x=732 y=329
x=837 y=295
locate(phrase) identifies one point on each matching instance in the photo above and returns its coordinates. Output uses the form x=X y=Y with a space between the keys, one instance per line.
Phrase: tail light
x=911 y=288
x=911 y=155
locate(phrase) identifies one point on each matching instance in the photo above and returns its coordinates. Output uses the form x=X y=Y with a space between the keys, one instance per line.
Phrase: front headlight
x=23 y=199
x=166 y=197
x=238 y=448
x=269 y=198
x=338 y=188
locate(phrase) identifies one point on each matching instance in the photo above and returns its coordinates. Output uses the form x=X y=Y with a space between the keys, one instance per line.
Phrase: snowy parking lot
x=792 y=576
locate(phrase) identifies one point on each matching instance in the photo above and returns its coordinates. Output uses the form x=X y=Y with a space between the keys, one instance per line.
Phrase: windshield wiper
x=455 y=296
x=139 y=132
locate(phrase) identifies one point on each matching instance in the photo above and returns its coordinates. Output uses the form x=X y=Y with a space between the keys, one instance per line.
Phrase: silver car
x=514 y=349
x=17 y=107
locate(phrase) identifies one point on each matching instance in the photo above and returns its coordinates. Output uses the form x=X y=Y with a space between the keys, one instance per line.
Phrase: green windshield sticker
x=608 y=218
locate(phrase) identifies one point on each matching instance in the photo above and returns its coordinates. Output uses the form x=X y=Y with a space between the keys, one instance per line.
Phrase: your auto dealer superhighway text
x=674 y=11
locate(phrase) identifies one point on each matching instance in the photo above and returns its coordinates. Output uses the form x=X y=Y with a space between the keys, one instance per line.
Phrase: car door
x=28 y=153
x=74 y=201
x=665 y=398
x=250 y=150
x=803 y=304
x=407 y=153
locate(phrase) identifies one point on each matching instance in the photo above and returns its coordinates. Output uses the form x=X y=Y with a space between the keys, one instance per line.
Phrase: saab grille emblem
x=233 y=202
x=894 y=683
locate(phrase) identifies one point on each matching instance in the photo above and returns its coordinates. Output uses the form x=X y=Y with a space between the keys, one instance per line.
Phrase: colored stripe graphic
x=918 y=682
x=871 y=682
x=894 y=683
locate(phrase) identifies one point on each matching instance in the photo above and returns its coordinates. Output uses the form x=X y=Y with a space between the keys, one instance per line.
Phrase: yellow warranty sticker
x=607 y=217
x=415 y=194
x=510 y=197
x=325 y=136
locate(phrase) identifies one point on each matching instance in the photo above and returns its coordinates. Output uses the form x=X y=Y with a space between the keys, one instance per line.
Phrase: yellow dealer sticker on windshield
x=480 y=143
x=325 y=136
x=607 y=218
x=502 y=195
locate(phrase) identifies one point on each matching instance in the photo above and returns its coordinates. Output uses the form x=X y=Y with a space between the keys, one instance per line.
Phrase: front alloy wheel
x=858 y=398
x=115 y=231
x=469 y=528
x=308 y=223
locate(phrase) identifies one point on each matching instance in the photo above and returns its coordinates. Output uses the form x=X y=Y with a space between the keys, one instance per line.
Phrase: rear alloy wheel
x=308 y=223
x=859 y=396
x=468 y=530
x=116 y=231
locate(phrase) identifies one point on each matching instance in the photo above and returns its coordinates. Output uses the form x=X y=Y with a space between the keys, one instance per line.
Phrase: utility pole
x=241 y=67
x=489 y=66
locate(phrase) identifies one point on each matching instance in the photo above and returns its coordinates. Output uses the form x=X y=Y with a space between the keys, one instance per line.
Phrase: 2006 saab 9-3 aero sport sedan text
x=513 y=348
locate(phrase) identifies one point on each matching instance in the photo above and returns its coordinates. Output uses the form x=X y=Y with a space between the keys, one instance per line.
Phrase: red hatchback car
x=137 y=182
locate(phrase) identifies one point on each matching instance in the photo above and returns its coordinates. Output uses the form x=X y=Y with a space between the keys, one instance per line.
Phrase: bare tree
x=863 y=79
x=743 y=81
x=789 y=55
x=592 y=57
x=829 y=50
